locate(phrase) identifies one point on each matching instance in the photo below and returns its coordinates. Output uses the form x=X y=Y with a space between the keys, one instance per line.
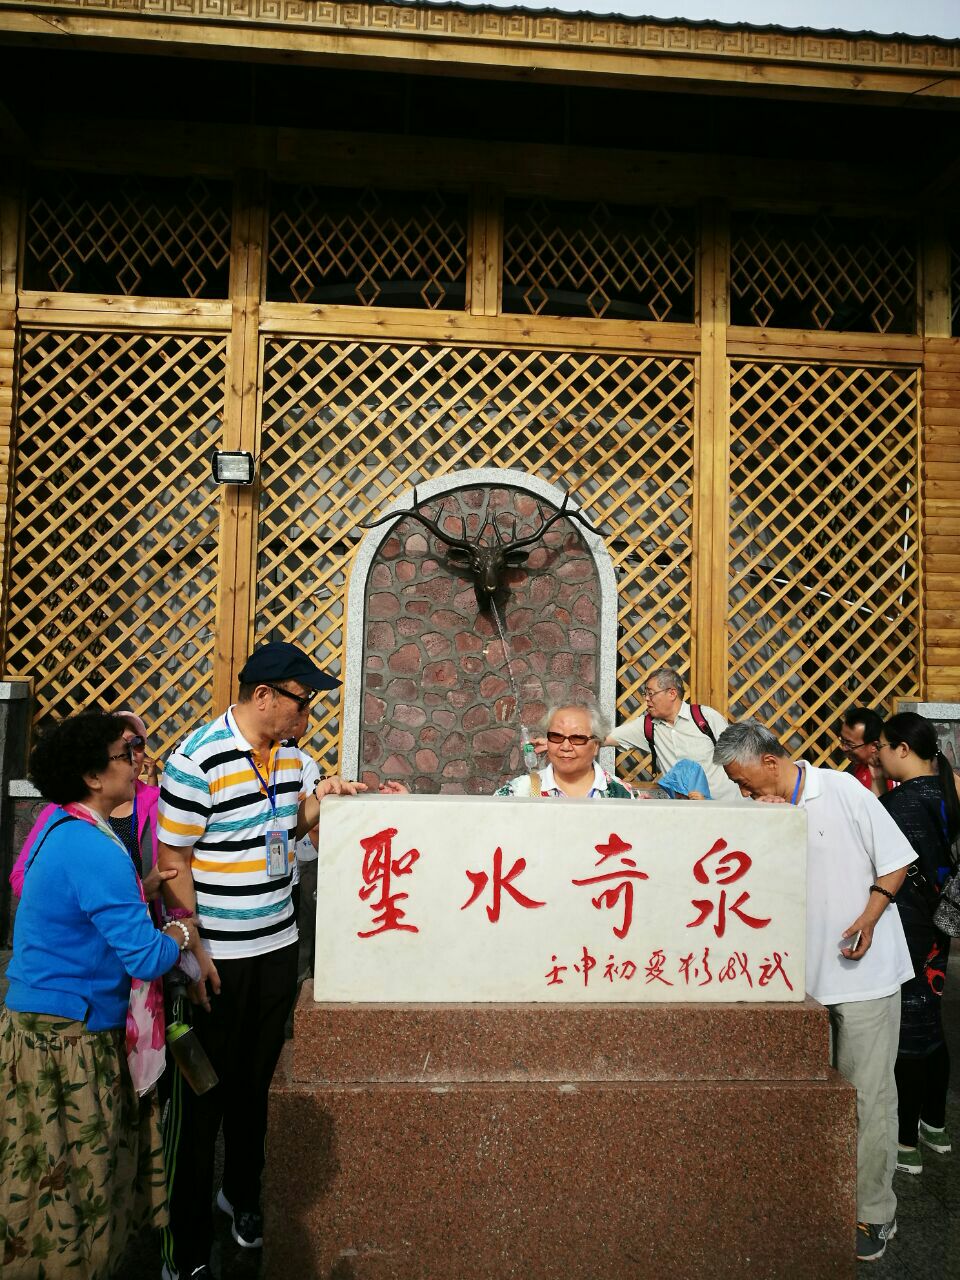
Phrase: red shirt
x=863 y=775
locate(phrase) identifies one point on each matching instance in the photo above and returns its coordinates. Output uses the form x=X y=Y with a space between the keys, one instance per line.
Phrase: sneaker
x=909 y=1159
x=247 y=1226
x=935 y=1139
x=872 y=1239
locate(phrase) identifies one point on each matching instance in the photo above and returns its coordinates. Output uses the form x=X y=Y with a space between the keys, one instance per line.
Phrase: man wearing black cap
x=232 y=805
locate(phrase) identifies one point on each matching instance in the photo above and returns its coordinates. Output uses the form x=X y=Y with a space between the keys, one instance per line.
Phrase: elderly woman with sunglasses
x=81 y=1166
x=574 y=734
x=134 y=821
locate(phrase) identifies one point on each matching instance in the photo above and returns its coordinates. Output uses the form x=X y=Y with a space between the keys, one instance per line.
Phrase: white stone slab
x=417 y=939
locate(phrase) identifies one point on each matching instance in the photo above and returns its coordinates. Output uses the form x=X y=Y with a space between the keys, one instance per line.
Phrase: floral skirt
x=81 y=1164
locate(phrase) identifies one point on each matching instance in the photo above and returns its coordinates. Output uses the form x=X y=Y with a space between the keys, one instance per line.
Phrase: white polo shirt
x=682 y=740
x=851 y=840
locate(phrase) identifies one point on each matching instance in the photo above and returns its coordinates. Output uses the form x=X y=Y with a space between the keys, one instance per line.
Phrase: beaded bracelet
x=183 y=929
x=876 y=888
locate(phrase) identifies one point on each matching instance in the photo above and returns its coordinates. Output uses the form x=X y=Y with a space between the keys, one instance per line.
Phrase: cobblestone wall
x=439 y=709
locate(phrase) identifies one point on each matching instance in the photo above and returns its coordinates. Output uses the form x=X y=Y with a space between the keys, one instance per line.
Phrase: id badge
x=276 y=844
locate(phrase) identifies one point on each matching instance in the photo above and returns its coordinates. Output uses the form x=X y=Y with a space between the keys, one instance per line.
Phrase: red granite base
x=603 y=1178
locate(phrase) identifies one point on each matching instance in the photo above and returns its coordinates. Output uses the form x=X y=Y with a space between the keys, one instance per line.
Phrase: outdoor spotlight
x=232 y=468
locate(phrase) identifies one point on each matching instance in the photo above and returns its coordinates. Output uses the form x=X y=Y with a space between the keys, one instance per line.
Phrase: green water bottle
x=191 y=1057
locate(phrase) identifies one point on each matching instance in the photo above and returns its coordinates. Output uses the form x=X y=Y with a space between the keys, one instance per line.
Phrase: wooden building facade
x=705 y=278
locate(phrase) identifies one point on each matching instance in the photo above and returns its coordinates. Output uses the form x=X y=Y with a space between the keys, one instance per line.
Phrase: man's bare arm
x=866 y=922
x=178 y=893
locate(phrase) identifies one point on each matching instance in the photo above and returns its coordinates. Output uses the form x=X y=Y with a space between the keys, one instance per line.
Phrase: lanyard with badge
x=275 y=838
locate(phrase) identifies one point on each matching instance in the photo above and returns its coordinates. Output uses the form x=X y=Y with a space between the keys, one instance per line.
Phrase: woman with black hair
x=81 y=1167
x=925 y=808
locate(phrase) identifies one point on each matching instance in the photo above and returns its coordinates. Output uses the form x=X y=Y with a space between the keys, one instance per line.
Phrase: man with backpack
x=674 y=729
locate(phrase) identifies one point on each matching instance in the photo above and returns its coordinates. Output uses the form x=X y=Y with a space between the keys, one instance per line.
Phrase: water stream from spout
x=529 y=755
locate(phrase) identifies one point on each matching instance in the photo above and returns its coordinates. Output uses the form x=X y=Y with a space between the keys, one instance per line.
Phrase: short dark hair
x=872 y=723
x=70 y=748
x=245 y=692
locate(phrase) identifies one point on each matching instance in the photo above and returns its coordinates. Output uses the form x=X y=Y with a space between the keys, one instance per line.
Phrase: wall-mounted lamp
x=232 y=468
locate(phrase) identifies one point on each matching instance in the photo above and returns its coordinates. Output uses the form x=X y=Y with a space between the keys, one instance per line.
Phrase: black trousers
x=922 y=1085
x=242 y=1035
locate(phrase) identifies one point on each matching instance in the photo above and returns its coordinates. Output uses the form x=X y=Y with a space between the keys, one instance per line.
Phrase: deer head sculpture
x=487 y=562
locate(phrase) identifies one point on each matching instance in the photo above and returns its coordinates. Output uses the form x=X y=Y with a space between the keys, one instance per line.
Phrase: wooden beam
x=550 y=47
x=616 y=174
x=940 y=469
x=10 y=209
x=391 y=324
x=484 y=283
x=237 y=576
x=708 y=659
x=815 y=344
x=82 y=310
x=935 y=283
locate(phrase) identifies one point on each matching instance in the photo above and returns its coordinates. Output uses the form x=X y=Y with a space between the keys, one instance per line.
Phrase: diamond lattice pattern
x=366 y=248
x=113 y=562
x=348 y=427
x=598 y=260
x=128 y=235
x=824 y=606
x=827 y=273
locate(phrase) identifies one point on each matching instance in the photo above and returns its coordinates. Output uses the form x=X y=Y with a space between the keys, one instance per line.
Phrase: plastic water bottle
x=529 y=754
x=191 y=1057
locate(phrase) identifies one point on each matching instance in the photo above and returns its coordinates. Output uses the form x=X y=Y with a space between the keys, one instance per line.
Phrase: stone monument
x=561 y=1039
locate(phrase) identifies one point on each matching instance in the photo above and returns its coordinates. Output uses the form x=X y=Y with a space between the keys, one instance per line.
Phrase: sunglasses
x=136 y=743
x=575 y=739
x=303 y=703
x=124 y=755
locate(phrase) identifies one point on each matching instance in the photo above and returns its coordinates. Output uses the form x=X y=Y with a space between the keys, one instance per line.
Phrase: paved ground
x=927 y=1246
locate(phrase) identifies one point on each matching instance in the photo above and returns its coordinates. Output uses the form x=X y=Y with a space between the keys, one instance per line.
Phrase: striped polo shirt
x=212 y=801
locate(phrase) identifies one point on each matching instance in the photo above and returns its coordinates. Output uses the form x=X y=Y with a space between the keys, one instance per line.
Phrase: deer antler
x=516 y=543
x=414 y=513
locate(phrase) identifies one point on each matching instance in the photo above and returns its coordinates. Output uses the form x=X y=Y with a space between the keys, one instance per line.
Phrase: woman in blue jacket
x=80 y=1160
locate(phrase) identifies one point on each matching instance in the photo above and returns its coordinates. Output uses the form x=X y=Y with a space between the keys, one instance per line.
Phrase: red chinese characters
x=729 y=868
x=622 y=876
x=379 y=868
x=479 y=880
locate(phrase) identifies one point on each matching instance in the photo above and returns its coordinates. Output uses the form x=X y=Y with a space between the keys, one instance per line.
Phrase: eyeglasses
x=303 y=702
x=886 y=746
x=124 y=755
x=851 y=746
x=575 y=739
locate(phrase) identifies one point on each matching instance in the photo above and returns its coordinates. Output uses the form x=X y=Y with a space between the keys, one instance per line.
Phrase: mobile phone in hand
x=851 y=944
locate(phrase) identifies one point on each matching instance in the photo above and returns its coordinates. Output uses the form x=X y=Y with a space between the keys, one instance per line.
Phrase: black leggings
x=922 y=1093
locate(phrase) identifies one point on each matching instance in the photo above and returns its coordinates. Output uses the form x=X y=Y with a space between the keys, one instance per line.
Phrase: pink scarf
x=146 y=1025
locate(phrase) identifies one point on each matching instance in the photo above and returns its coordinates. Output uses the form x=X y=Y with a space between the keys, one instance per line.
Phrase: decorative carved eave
x=483 y=42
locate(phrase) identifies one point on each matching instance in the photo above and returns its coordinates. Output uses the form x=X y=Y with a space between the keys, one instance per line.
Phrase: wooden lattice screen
x=578 y=259
x=115 y=524
x=824 y=604
x=389 y=248
x=348 y=426
x=127 y=235
x=788 y=271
